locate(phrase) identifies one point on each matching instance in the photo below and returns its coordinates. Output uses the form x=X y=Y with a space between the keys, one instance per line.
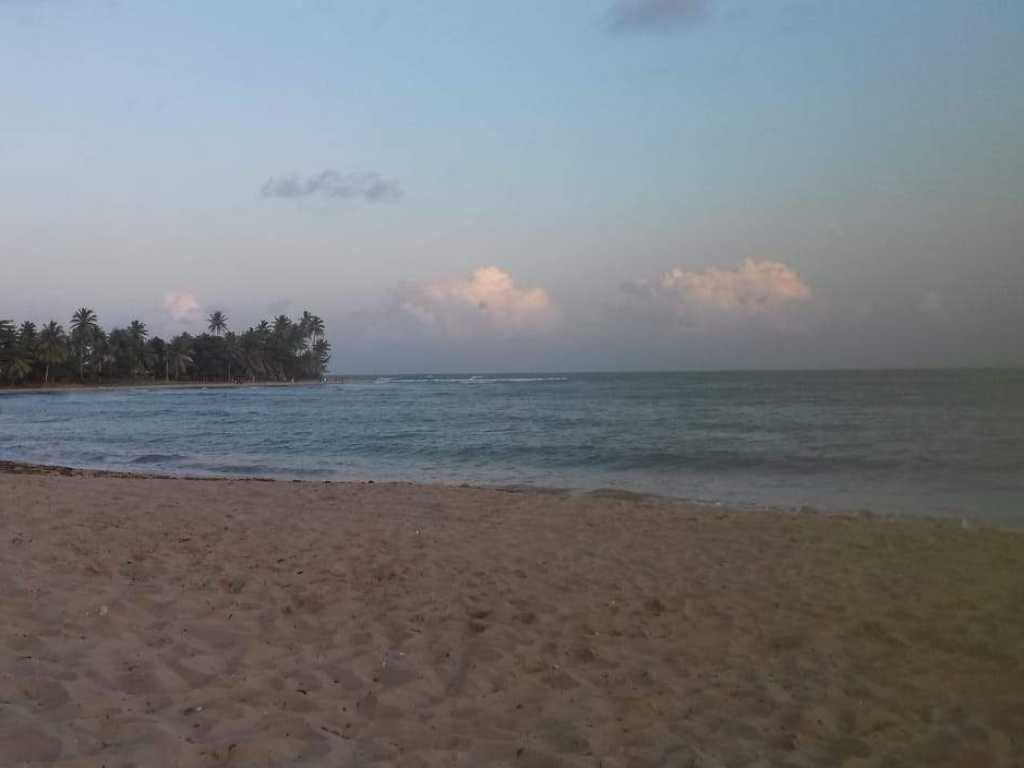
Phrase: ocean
x=891 y=442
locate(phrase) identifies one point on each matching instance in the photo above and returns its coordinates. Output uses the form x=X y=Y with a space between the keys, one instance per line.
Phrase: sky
x=456 y=185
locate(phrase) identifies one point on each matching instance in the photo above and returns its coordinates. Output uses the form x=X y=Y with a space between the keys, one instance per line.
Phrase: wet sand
x=171 y=622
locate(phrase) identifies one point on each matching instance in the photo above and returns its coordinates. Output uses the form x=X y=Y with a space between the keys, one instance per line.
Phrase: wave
x=510 y=379
x=157 y=458
x=254 y=469
x=469 y=380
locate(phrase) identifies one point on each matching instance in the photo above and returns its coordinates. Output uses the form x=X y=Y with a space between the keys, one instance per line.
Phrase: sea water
x=892 y=442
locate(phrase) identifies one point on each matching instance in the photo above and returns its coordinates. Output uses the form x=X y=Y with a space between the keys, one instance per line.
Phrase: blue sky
x=581 y=184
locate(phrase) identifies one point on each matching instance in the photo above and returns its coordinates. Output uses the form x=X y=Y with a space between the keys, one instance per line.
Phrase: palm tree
x=26 y=348
x=15 y=354
x=280 y=349
x=138 y=332
x=27 y=334
x=84 y=327
x=316 y=327
x=8 y=345
x=84 y=320
x=179 y=355
x=19 y=367
x=101 y=354
x=218 y=323
x=51 y=348
x=156 y=356
x=321 y=355
x=282 y=324
x=231 y=349
x=285 y=339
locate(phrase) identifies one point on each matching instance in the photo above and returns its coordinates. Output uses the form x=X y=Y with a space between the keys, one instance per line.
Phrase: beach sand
x=242 y=623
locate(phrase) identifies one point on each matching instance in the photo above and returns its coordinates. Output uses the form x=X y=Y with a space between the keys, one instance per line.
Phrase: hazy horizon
x=595 y=186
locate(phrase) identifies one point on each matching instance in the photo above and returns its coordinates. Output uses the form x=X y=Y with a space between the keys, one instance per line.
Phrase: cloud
x=331 y=185
x=182 y=307
x=716 y=295
x=635 y=15
x=489 y=301
x=752 y=287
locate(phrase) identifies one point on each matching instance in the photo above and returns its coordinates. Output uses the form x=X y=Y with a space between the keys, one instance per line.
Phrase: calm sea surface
x=941 y=442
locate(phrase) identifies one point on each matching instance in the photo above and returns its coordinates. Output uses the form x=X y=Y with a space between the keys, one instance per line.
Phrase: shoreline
x=12 y=467
x=25 y=468
x=88 y=388
x=255 y=623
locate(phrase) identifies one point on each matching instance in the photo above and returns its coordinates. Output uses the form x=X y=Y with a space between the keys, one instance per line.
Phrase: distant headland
x=279 y=350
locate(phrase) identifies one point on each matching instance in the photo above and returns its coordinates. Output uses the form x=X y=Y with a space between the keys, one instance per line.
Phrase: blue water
x=939 y=442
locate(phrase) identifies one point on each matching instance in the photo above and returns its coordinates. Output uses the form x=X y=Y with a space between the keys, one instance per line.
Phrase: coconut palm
x=26 y=348
x=8 y=345
x=84 y=327
x=84 y=321
x=311 y=326
x=232 y=350
x=19 y=367
x=179 y=355
x=51 y=348
x=139 y=333
x=316 y=327
x=101 y=353
x=155 y=356
x=321 y=355
x=218 y=323
x=282 y=325
x=16 y=354
x=121 y=348
x=27 y=334
x=279 y=349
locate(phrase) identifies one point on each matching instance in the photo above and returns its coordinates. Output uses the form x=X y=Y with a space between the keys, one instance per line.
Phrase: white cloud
x=753 y=287
x=182 y=307
x=718 y=298
x=489 y=301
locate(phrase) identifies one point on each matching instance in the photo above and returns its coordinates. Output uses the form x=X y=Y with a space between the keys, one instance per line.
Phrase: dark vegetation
x=281 y=350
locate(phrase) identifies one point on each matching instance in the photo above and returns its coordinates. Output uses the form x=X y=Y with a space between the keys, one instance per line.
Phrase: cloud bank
x=636 y=15
x=332 y=185
x=752 y=287
x=716 y=296
x=488 y=301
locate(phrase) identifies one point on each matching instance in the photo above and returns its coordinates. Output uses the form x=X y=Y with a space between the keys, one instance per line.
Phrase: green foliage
x=218 y=323
x=283 y=350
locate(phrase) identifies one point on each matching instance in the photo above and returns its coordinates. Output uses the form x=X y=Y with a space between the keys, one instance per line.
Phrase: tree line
x=279 y=350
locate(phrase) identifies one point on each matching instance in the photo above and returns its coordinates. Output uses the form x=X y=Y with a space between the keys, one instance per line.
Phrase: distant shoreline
x=54 y=389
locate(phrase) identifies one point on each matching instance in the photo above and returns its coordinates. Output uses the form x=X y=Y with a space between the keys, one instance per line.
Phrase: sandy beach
x=168 y=622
